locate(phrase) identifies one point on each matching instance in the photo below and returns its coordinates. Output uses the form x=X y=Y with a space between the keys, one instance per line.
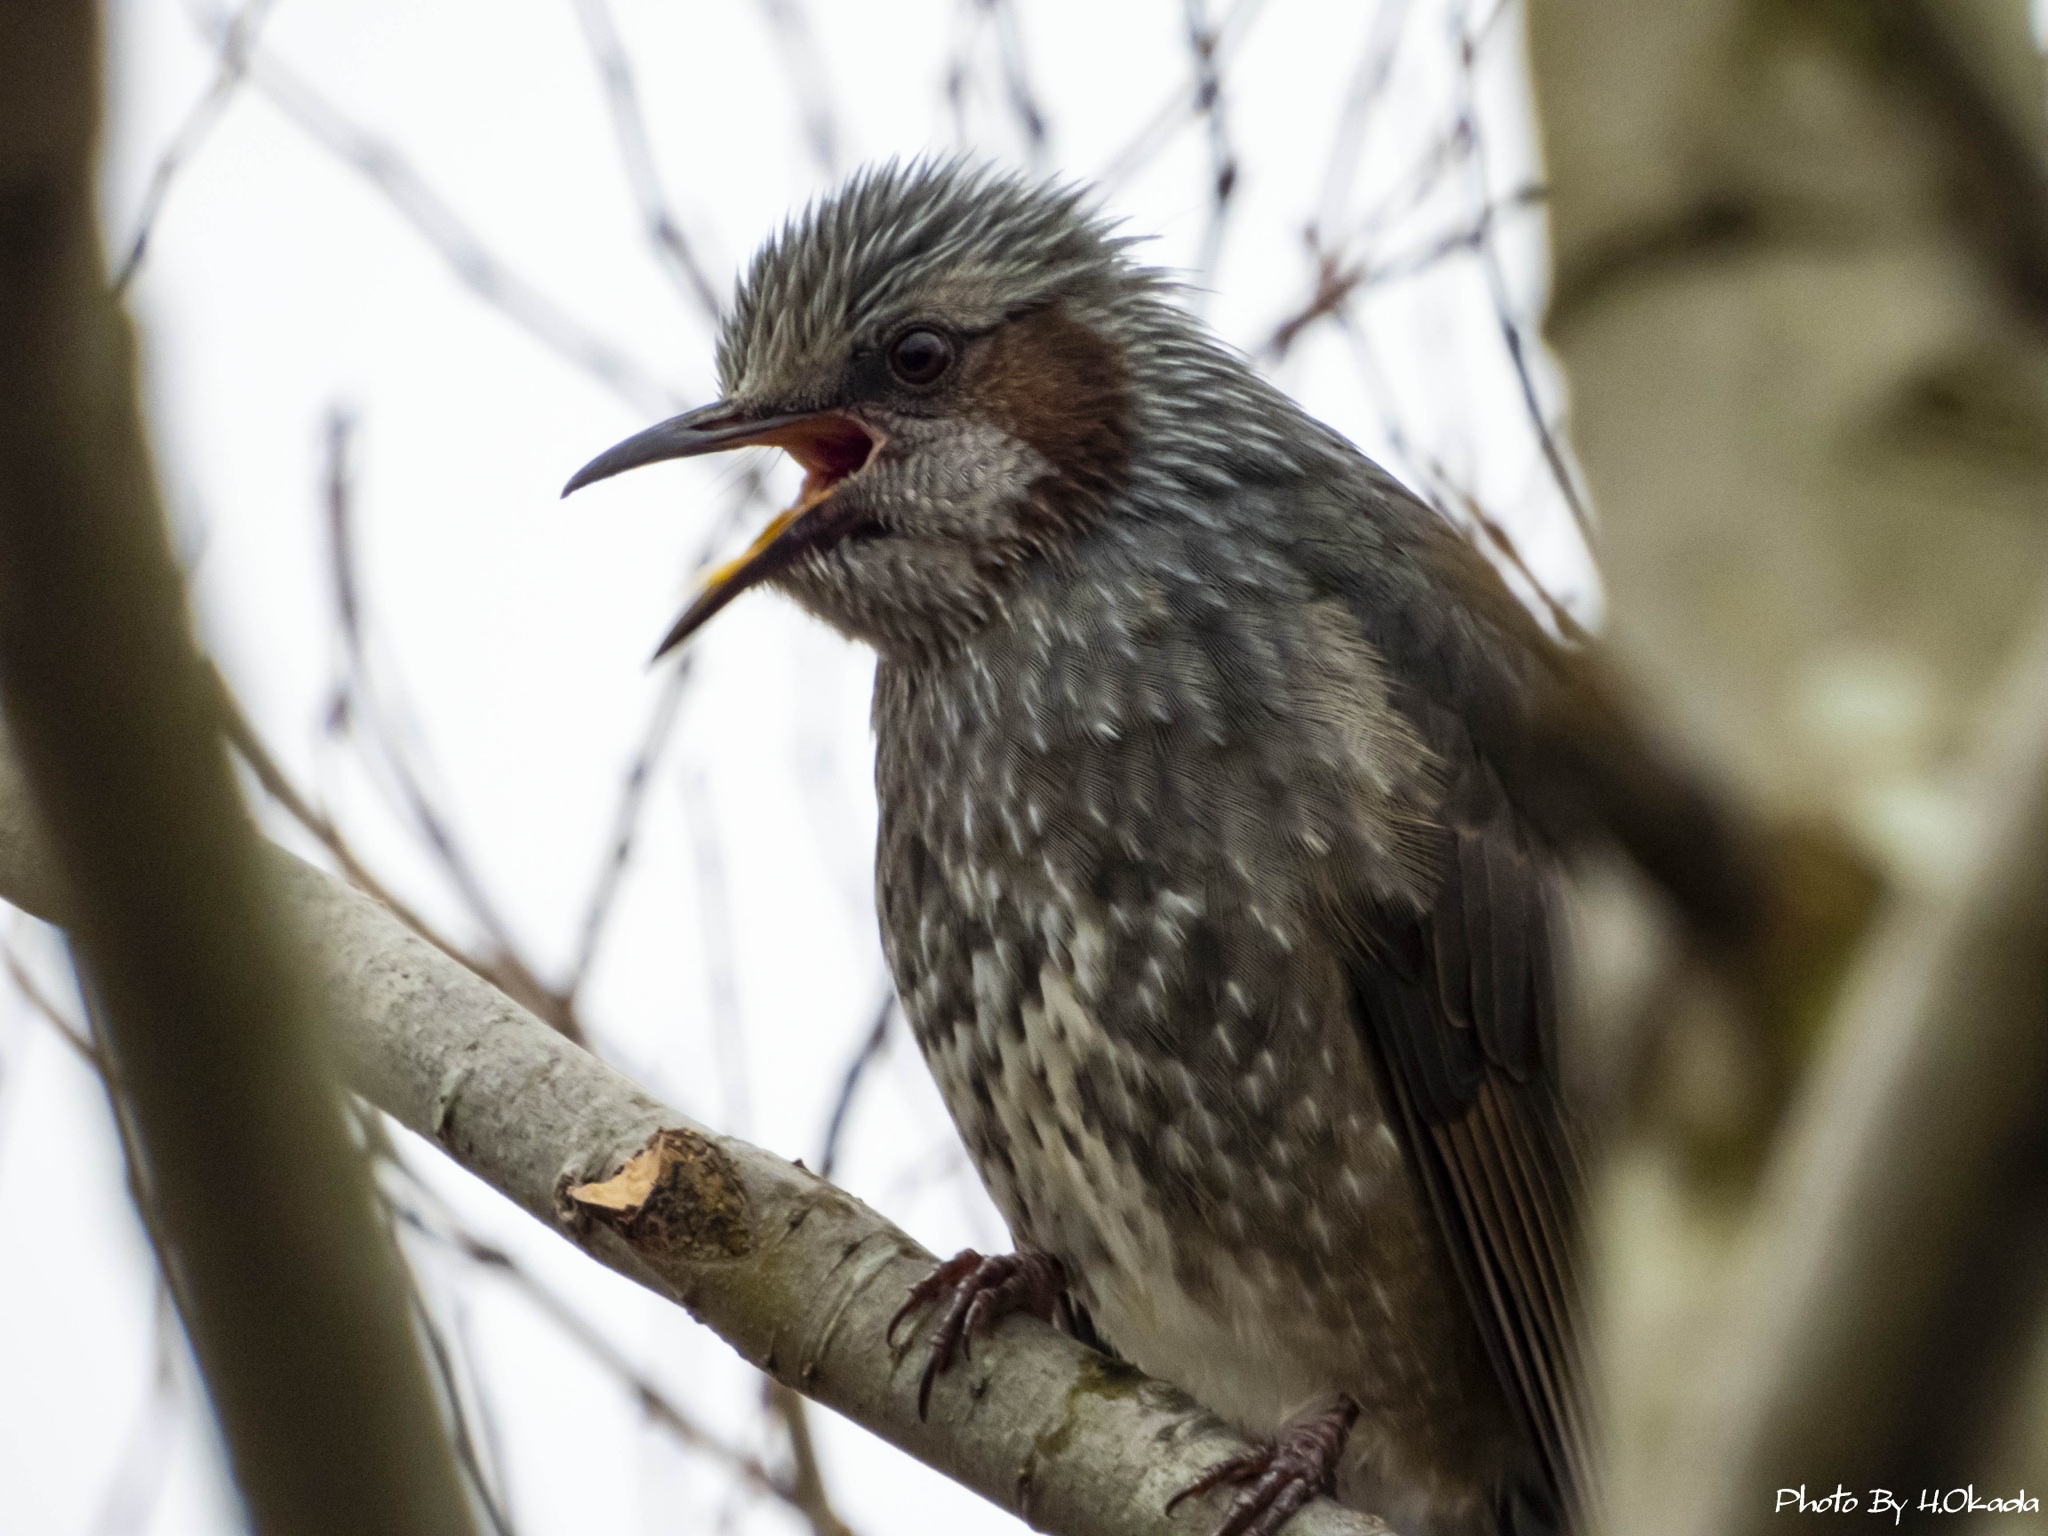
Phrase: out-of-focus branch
x=1811 y=410
x=636 y=153
x=1548 y=434
x=810 y=84
x=1179 y=109
x=806 y=1480
x=850 y=1082
x=1017 y=87
x=1936 y=1068
x=288 y=1283
x=360 y=707
x=1209 y=107
x=416 y=201
x=2000 y=192
x=799 y=1277
x=1336 y=283
x=503 y=969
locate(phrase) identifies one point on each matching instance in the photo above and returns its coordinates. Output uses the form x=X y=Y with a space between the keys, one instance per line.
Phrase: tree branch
x=1934 y=1069
x=798 y=1276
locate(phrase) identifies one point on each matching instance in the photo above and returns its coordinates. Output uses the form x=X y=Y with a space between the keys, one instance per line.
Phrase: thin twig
x=1441 y=489
x=806 y=1481
x=1209 y=106
x=1367 y=89
x=810 y=84
x=1424 y=175
x=849 y=1085
x=1178 y=110
x=358 y=705
x=661 y=723
x=748 y=492
x=229 y=71
x=441 y=1358
x=75 y=1035
x=653 y=1400
x=474 y=264
x=1017 y=88
x=636 y=153
x=1335 y=285
x=1503 y=305
x=278 y=785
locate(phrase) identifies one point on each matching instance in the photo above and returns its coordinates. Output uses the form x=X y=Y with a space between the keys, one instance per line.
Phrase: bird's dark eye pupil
x=920 y=356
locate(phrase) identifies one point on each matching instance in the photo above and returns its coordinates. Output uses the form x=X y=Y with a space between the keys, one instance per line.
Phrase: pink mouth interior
x=830 y=448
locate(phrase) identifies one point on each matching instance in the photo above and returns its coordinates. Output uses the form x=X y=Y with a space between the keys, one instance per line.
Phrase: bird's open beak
x=829 y=444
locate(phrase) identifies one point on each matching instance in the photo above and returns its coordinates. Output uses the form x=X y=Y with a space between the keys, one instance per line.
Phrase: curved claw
x=1284 y=1474
x=980 y=1291
x=945 y=1277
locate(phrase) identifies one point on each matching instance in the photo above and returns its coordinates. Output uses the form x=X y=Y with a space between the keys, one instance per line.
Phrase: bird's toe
x=978 y=1291
x=1280 y=1476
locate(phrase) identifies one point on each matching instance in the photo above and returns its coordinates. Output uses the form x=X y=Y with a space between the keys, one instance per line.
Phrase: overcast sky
x=509 y=632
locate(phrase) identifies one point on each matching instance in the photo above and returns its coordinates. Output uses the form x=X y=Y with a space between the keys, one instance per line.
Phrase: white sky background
x=510 y=631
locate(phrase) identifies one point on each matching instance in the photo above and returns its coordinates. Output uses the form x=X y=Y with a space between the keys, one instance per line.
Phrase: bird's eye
x=920 y=356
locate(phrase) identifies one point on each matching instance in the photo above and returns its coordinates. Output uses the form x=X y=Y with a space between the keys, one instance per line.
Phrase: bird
x=1225 y=792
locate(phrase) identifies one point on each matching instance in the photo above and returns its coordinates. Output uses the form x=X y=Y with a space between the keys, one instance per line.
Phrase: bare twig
x=661 y=724
x=1367 y=89
x=1178 y=110
x=1561 y=470
x=251 y=749
x=1442 y=490
x=1209 y=106
x=1017 y=88
x=474 y=264
x=849 y=1084
x=810 y=85
x=806 y=1482
x=636 y=152
x=1335 y=285
x=714 y=922
x=73 y=1034
x=481 y=1487
x=233 y=64
x=747 y=493
x=358 y=705
x=657 y=1404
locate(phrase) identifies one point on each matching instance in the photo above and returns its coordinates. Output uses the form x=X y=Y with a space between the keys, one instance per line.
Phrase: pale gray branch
x=798 y=1276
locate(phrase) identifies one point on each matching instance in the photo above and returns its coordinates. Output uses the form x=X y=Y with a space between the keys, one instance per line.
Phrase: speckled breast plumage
x=1116 y=831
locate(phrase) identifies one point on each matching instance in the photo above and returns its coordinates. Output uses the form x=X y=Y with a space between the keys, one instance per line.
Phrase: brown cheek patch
x=1050 y=381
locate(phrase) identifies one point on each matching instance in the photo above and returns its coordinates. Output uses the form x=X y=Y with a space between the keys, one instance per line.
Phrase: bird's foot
x=978 y=1292
x=1281 y=1475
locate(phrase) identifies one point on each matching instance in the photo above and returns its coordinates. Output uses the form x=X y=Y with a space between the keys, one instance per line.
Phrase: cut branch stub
x=679 y=1196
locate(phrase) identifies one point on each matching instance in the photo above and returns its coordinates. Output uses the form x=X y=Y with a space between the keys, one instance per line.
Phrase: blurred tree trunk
x=265 y=1220
x=1801 y=298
